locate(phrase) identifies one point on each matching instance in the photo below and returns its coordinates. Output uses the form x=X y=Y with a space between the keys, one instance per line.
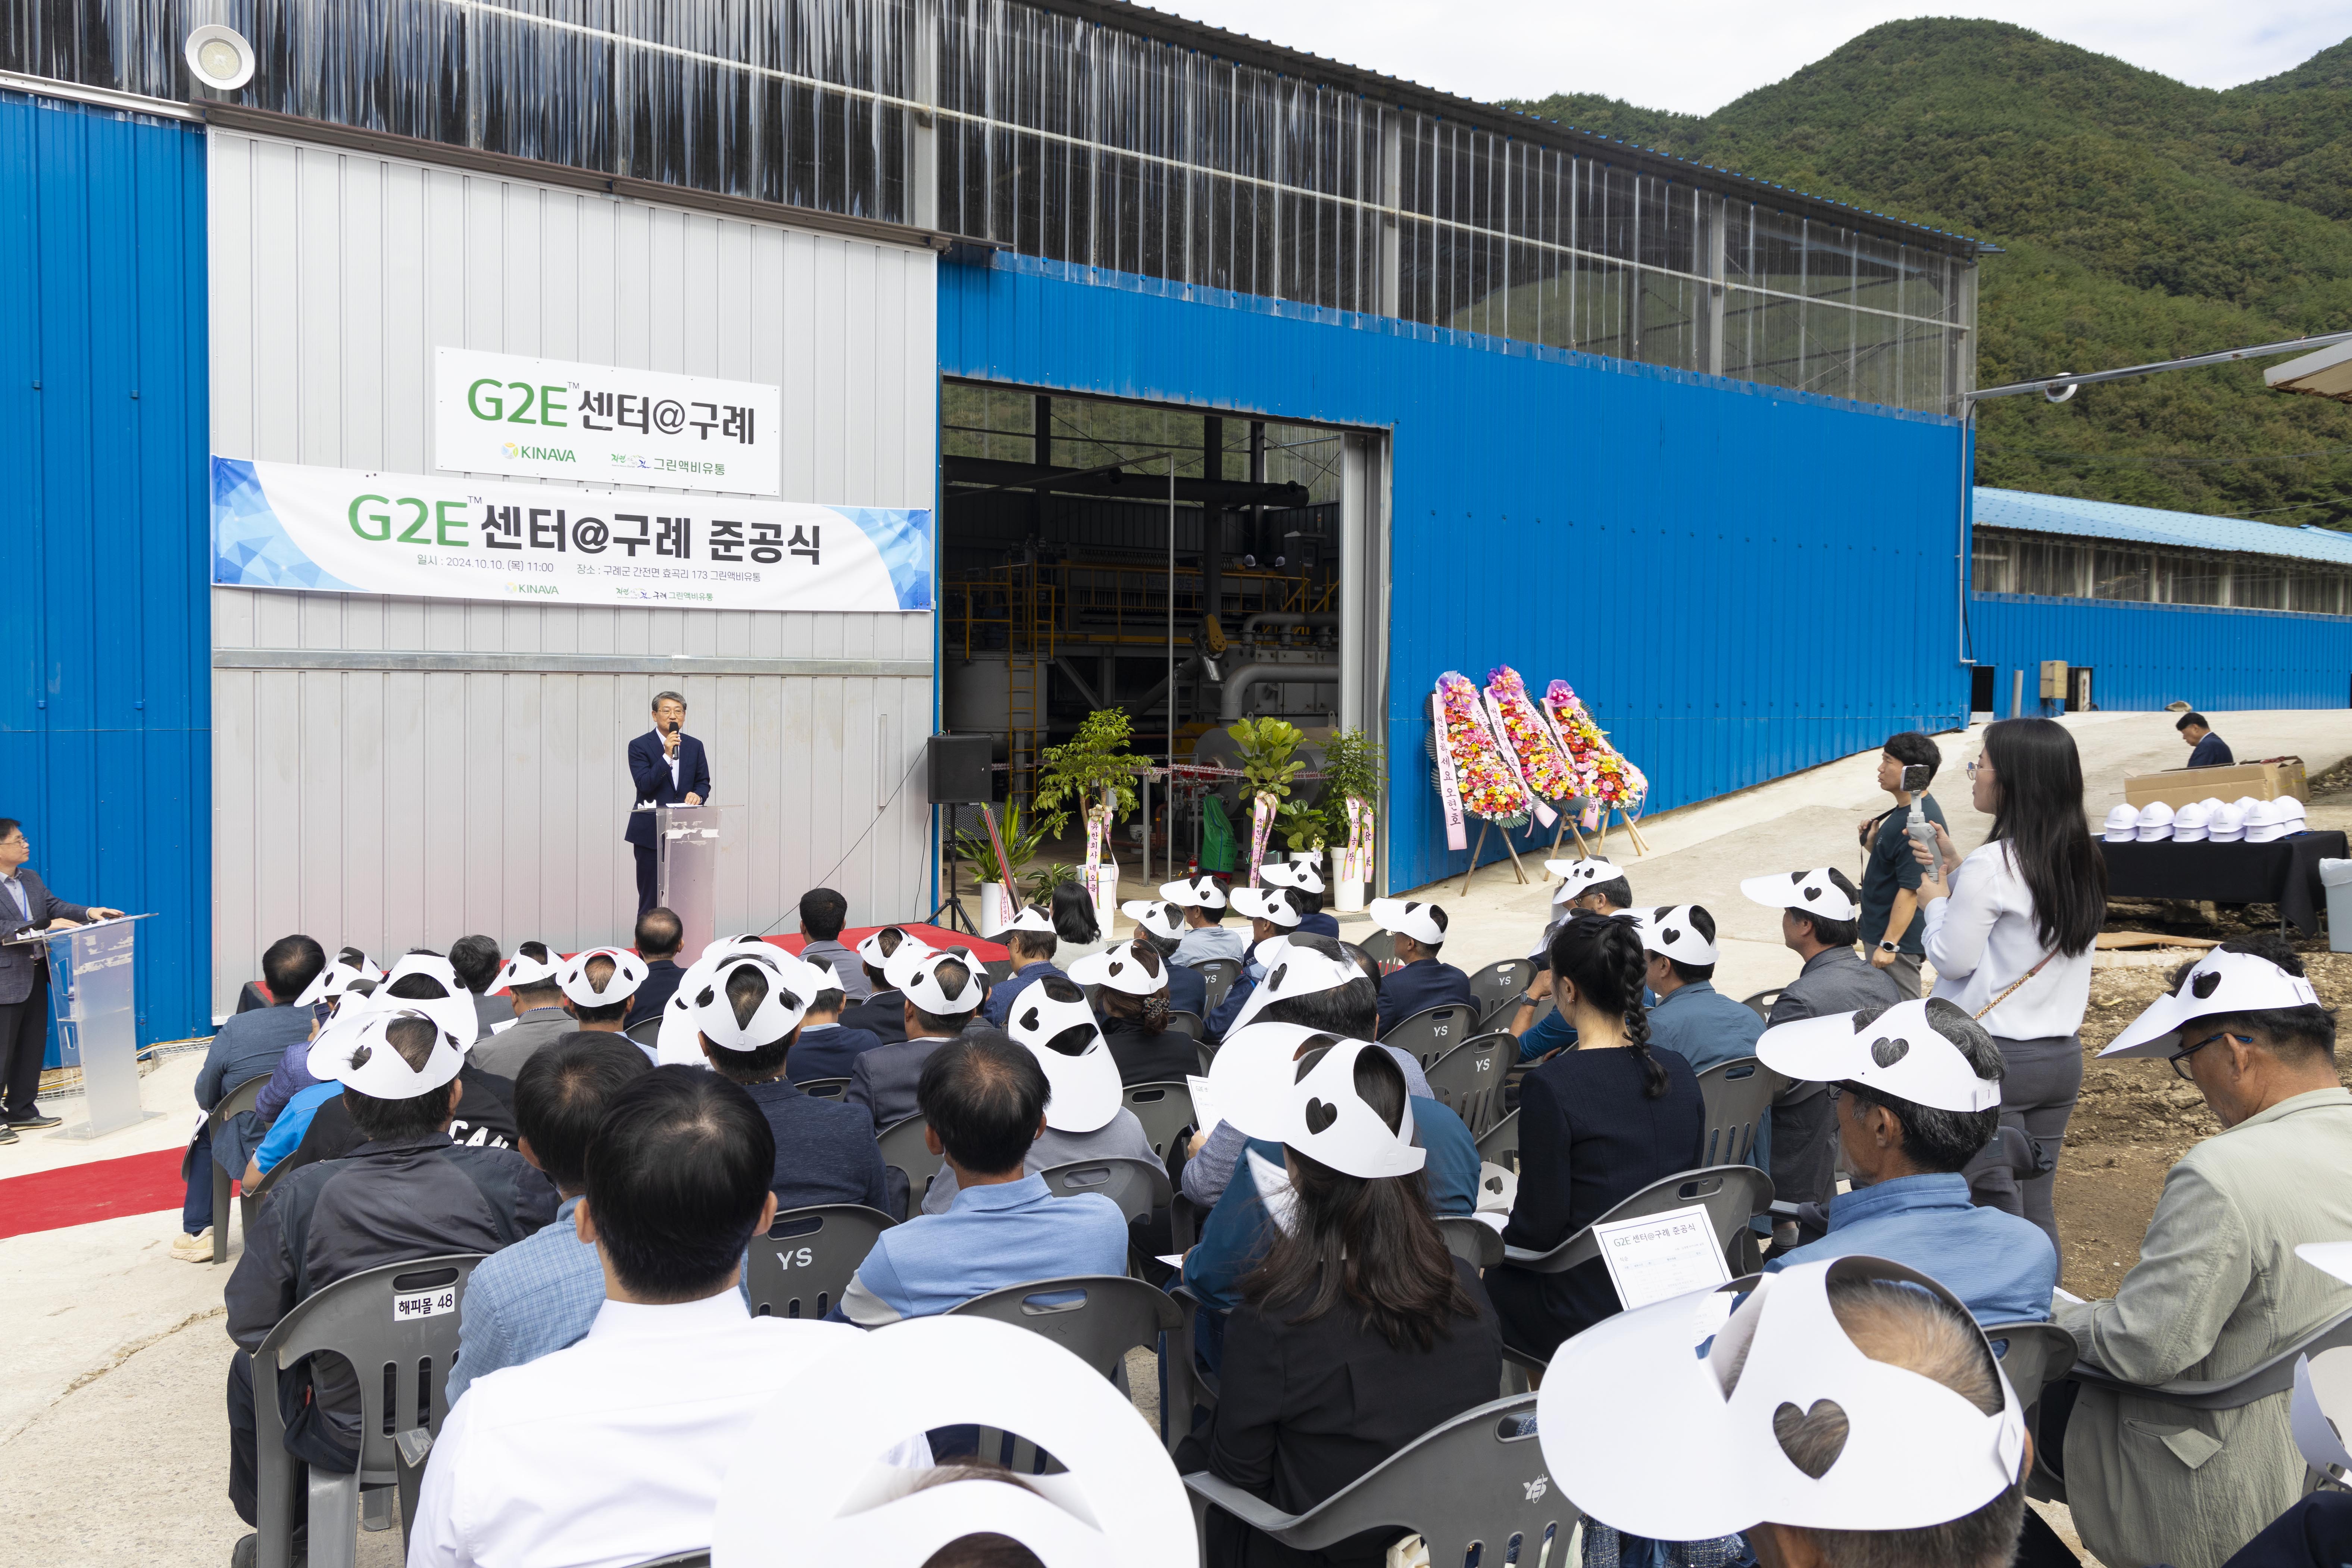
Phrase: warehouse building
x=2147 y=608
x=1102 y=326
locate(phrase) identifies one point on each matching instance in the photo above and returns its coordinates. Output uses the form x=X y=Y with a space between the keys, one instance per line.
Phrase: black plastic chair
x=235 y=1103
x=1761 y=1003
x=1499 y=1144
x=1218 y=974
x=800 y=1268
x=1434 y=1031
x=646 y=1032
x=1381 y=948
x=2035 y=1356
x=826 y=1088
x=904 y=1151
x=1478 y=1482
x=1500 y=1014
x=405 y=1354
x=1738 y=1097
x=1501 y=983
x=1098 y=1318
x=1187 y=1024
x=1733 y=1194
x=1164 y=1109
x=1468 y=1079
x=1137 y=1186
x=1474 y=1241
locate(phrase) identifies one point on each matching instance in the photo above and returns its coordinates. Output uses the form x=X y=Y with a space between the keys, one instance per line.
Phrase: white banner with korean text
x=599 y=424
x=286 y=525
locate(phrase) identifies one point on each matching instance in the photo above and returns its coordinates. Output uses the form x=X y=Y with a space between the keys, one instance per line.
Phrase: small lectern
x=688 y=844
x=94 y=992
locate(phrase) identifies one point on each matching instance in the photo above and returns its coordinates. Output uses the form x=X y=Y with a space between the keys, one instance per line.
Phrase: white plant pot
x=1107 y=896
x=1348 y=896
x=996 y=908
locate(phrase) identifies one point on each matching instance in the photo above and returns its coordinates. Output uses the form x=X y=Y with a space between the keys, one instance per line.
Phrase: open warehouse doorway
x=1075 y=576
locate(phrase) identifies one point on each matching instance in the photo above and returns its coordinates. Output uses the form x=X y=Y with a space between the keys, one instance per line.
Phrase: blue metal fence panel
x=1740 y=581
x=105 y=634
x=2144 y=656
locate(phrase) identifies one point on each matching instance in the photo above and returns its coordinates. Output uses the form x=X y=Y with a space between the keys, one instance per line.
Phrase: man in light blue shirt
x=983 y=1102
x=1910 y=1203
x=1206 y=936
x=543 y=1293
x=1687 y=1015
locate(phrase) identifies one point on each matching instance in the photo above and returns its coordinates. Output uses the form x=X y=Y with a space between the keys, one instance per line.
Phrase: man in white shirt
x=612 y=1451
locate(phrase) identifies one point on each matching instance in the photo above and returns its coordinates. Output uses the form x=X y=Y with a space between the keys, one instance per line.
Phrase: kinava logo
x=537 y=454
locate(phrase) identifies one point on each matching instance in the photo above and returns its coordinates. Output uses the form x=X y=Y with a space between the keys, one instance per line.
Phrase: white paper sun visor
x=1812 y=892
x=1270 y=905
x=627 y=973
x=1253 y=1073
x=361 y=1057
x=1299 y=874
x=1195 y=893
x=901 y=965
x=2221 y=983
x=725 y=946
x=331 y=982
x=1672 y=930
x=1296 y=972
x=431 y=963
x=1915 y=1453
x=924 y=989
x=822 y=1494
x=1325 y=1119
x=1895 y=1052
x=1122 y=969
x=1085 y=1088
x=1580 y=874
x=870 y=950
x=1032 y=919
x=789 y=992
x=2321 y=1412
x=525 y=969
x=1158 y=916
x=1404 y=917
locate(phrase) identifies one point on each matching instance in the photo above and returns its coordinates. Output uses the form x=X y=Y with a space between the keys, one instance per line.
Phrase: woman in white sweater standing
x=2010 y=932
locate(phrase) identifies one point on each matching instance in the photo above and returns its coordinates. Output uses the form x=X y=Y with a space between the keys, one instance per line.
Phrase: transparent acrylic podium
x=687 y=840
x=93 y=996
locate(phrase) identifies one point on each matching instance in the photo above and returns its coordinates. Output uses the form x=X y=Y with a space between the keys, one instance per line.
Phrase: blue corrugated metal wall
x=1741 y=582
x=2146 y=655
x=105 y=706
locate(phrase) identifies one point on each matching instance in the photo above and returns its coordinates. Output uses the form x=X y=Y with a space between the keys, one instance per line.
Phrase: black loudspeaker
x=960 y=769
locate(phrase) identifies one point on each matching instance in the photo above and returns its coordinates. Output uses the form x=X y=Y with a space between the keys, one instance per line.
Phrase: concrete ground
x=112 y=1431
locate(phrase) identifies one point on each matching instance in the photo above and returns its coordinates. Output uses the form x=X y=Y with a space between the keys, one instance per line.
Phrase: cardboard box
x=2175 y=787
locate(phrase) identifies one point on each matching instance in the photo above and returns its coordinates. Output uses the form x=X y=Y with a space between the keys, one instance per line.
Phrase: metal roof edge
x=2075 y=516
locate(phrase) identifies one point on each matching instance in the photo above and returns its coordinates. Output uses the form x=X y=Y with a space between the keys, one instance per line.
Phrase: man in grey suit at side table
x=27 y=904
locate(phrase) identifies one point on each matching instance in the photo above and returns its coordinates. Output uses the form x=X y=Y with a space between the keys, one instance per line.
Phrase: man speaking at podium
x=25 y=903
x=667 y=767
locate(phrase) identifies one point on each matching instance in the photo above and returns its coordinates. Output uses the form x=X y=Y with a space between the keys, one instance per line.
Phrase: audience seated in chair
x=614 y=1451
x=533 y=979
x=1851 y=1413
x=477 y=961
x=940 y=993
x=1030 y=940
x=1360 y=1330
x=1596 y=1123
x=1587 y=886
x=983 y=1103
x=1272 y=913
x=1303 y=876
x=1161 y=924
x=1206 y=936
x=883 y=1014
x=827 y=1047
x=407 y=1193
x=543 y=1293
x=1907 y=1129
x=660 y=934
x=343 y=992
x=1329 y=988
x=1084 y=1117
x=749 y=1018
x=2217 y=1290
x=249 y=1046
x=1135 y=1002
x=1424 y=979
x=822 y=914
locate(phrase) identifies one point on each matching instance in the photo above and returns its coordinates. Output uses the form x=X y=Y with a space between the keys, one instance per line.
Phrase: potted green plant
x=1092 y=774
x=1352 y=768
x=1269 y=753
x=1023 y=837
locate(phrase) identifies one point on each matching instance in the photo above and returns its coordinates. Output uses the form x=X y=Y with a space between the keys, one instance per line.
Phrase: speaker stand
x=952 y=907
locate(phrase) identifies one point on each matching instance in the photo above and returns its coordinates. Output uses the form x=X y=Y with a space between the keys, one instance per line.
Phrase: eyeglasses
x=2179 y=1058
x=1974 y=766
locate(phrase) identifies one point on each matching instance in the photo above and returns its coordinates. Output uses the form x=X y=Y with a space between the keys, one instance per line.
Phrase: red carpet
x=104 y=1189
x=936 y=936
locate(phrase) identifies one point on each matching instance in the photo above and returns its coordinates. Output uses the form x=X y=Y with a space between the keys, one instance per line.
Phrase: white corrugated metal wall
x=400 y=771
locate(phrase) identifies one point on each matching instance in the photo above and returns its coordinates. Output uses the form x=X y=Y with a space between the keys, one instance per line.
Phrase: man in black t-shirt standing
x=1893 y=932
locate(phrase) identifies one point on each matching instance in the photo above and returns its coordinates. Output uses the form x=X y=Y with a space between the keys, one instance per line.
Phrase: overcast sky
x=1697 y=56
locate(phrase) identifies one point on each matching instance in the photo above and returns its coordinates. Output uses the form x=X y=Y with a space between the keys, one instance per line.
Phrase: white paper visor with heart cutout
x=779 y=1012
x=924 y=989
x=1268 y=904
x=1582 y=874
x=901 y=965
x=628 y=972
x=1811 y=891
x=522 y=970
x=820 y=1495
x=1122 y=969
x=1082 y=1090
x=1252 y=1075
x=1197 y=893
x=331 y=982
x=2221 y=983
x=1327 y=1120
x=1403 y=916
x=677 y=1042
x=870 y=950
x=1294 y=971
x=1672 y=932
x=1897 y=1052
x=1915 y=1453
x=2321 y=1409
x=1158 y=916
x=364 y=1057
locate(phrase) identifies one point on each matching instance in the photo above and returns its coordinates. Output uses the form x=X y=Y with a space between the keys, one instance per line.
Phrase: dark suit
x=1424 y=982
x=24 y=991
x=649 y=775
x=828 y=1052
x=662 y=975
x=882 y=1015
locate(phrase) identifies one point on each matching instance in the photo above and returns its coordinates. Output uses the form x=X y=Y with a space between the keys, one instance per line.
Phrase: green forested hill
x=2141 y=219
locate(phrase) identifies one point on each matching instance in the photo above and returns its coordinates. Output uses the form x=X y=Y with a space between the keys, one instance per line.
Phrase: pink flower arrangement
x=1603 y=772
x=1488 y=785
x=1541 y=761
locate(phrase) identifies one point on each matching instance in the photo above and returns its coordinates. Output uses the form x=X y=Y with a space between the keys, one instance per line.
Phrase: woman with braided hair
x=1598 y=1122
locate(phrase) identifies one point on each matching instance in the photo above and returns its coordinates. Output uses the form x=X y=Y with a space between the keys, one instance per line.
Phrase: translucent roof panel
x=2147 y=525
